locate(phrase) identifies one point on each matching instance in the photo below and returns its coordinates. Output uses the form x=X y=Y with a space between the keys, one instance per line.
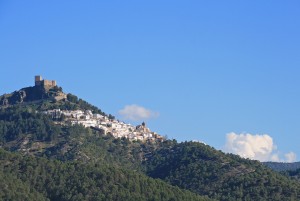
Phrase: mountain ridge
x=283 y=166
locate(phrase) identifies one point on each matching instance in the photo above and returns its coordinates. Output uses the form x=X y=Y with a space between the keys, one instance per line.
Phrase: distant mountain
x=277 y=166
x=59 y=158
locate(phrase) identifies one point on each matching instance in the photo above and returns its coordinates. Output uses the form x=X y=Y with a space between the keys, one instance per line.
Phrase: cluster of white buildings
x=97 y=121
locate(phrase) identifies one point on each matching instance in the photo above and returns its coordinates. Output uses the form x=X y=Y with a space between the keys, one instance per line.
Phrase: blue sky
x=203 y=69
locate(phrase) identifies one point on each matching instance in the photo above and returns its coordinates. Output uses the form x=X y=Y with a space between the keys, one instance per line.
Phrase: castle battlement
x=38 y=81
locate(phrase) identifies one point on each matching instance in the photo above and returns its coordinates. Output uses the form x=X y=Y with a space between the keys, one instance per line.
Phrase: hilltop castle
x=43 y=90
x=38 y=80
x=47 y=85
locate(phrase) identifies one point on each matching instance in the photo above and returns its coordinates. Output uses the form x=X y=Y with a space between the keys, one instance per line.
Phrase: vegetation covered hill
x=34 y=178
x=77 y=163
x=206 y=171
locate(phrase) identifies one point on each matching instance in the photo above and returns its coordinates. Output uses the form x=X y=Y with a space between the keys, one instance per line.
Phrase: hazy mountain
x=277 y=166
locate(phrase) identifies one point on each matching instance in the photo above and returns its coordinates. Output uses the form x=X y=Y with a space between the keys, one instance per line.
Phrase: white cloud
x=290 y=157
x=137 y=113
x=258 y=147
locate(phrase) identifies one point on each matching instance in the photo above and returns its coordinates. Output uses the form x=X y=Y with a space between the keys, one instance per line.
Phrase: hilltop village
x=48 y=90
x=102 y=123
x=96 y=121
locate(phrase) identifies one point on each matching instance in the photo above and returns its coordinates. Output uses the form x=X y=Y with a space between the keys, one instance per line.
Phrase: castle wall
x=38 y=80
x=49 y=83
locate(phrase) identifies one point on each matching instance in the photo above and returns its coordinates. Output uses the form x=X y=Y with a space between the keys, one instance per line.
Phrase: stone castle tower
x=38 y=81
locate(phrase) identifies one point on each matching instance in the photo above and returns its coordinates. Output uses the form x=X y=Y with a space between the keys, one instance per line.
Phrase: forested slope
x=34 y=178
x=206 y=171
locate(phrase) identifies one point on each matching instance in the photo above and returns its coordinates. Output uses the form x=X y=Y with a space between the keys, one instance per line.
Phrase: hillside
x=32 y=178
x=294 y=174
x=206 y=171
x=69 y=153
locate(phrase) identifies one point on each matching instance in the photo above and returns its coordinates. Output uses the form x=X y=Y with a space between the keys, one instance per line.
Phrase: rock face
x=4 y=102
x=60 y=96
x=21 y=95
x=18 y=96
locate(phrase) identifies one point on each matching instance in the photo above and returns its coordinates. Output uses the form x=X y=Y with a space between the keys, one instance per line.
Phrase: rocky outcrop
x=4 y=102
x=30 y=94
x=21 y=95
x=60 y=96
